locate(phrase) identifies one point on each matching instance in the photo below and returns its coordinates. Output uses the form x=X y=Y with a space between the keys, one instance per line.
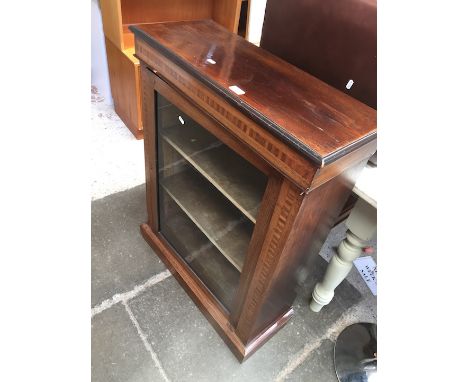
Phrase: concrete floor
x=146 y=328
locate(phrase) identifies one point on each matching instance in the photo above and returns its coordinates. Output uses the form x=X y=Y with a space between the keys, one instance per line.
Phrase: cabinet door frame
x=225 y=323
x=153 y=84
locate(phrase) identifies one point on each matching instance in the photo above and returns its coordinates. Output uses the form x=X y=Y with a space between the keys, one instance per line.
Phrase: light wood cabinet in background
x=124 y=68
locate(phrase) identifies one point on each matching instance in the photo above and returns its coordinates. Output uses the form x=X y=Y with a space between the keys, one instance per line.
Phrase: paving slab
x=317 y=367
x=116 y=156
x=120 y=257
x=117 y=352
x=190 y=350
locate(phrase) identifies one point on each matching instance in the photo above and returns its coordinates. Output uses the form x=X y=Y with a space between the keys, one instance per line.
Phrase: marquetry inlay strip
x=280 y=225
x=288 y=161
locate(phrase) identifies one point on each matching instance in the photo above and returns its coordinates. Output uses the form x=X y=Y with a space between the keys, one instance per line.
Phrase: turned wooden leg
x=361 y=225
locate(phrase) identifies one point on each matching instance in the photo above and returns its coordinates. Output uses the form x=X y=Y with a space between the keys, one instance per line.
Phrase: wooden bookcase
x=249 y=162
x=124 y=68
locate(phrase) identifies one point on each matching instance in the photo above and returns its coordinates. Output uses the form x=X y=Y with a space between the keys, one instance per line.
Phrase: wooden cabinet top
x=316 y=119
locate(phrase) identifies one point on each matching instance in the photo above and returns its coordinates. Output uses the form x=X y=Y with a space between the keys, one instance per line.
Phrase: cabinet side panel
x=123 y=77
x=112 y=21
x=226 y=13
x=152 y=11
x=314 y=220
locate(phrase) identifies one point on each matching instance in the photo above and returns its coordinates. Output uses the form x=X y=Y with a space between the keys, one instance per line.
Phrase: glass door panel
x=209 y=198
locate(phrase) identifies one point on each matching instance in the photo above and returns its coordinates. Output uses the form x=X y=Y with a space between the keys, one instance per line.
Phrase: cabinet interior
x=205 y=187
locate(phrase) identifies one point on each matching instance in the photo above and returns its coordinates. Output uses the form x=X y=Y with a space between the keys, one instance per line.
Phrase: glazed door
x=208 y=194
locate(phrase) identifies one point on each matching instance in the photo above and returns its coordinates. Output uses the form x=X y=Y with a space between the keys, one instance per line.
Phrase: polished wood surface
x=341 y=40
x=226 y=13
x=302 y=200
x=112 y=21
x=306 y=227
x=148 y=84
x=334 y=40
x=311 y=116
x=152 y=11
x=274 y=151
x=124 y=75
x=204 y=119
x=117 y=15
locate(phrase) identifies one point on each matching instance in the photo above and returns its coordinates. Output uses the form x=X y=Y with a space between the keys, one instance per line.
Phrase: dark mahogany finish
x=320 y=121
x=341 y=41
x=334 y=40
x=308 y=138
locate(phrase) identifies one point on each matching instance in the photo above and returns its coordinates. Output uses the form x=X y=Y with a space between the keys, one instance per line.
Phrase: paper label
x=368 y=270
x=237 y=90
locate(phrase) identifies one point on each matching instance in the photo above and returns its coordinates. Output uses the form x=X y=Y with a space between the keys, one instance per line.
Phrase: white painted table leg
x=361 y=225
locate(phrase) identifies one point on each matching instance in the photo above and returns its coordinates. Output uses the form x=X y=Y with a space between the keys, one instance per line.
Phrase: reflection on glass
x=209 y=198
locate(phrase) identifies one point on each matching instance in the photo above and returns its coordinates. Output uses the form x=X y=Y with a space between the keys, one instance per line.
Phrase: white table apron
x=362 y=224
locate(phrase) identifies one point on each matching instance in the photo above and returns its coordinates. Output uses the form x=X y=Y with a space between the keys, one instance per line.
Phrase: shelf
x=129 y=52
x=233 y=176
x=219 y=220
x=128 y=38
x=201 y=255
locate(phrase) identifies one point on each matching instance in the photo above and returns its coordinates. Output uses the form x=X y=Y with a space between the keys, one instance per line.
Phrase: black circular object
x=356 y=353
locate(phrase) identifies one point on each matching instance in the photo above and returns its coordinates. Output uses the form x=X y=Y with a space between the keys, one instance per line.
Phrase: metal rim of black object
x=355 y=353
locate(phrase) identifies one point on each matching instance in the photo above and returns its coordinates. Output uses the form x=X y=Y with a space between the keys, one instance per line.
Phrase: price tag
x=368 y=270
x=237 y=90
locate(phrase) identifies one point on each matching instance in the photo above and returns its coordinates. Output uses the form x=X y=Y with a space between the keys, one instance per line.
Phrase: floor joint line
x=145 y=342
x=331 y=334
x=124 y=297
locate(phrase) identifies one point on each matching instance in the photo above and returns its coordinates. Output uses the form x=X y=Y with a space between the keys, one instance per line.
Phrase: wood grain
x=117 y=15
x=267 y=208
x=112 y=21
x=152 y=11
x=212 y=125
x=327 y=173
x=301 y=202
x=124 y=77
x=226 y=13
x=313 y=220
x=314 y=118
x=277 y=153
x=150 y=143
x=341 y=41
x=283 y=217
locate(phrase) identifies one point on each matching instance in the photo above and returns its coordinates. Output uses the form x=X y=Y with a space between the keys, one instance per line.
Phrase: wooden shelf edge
x=194 y=221
x=207 y=304
x=212 y=178
x=236 y=259
x=129 y=52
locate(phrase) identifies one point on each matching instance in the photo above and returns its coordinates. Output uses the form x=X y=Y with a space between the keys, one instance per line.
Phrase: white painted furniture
x=362 y=224
x=255 y=21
